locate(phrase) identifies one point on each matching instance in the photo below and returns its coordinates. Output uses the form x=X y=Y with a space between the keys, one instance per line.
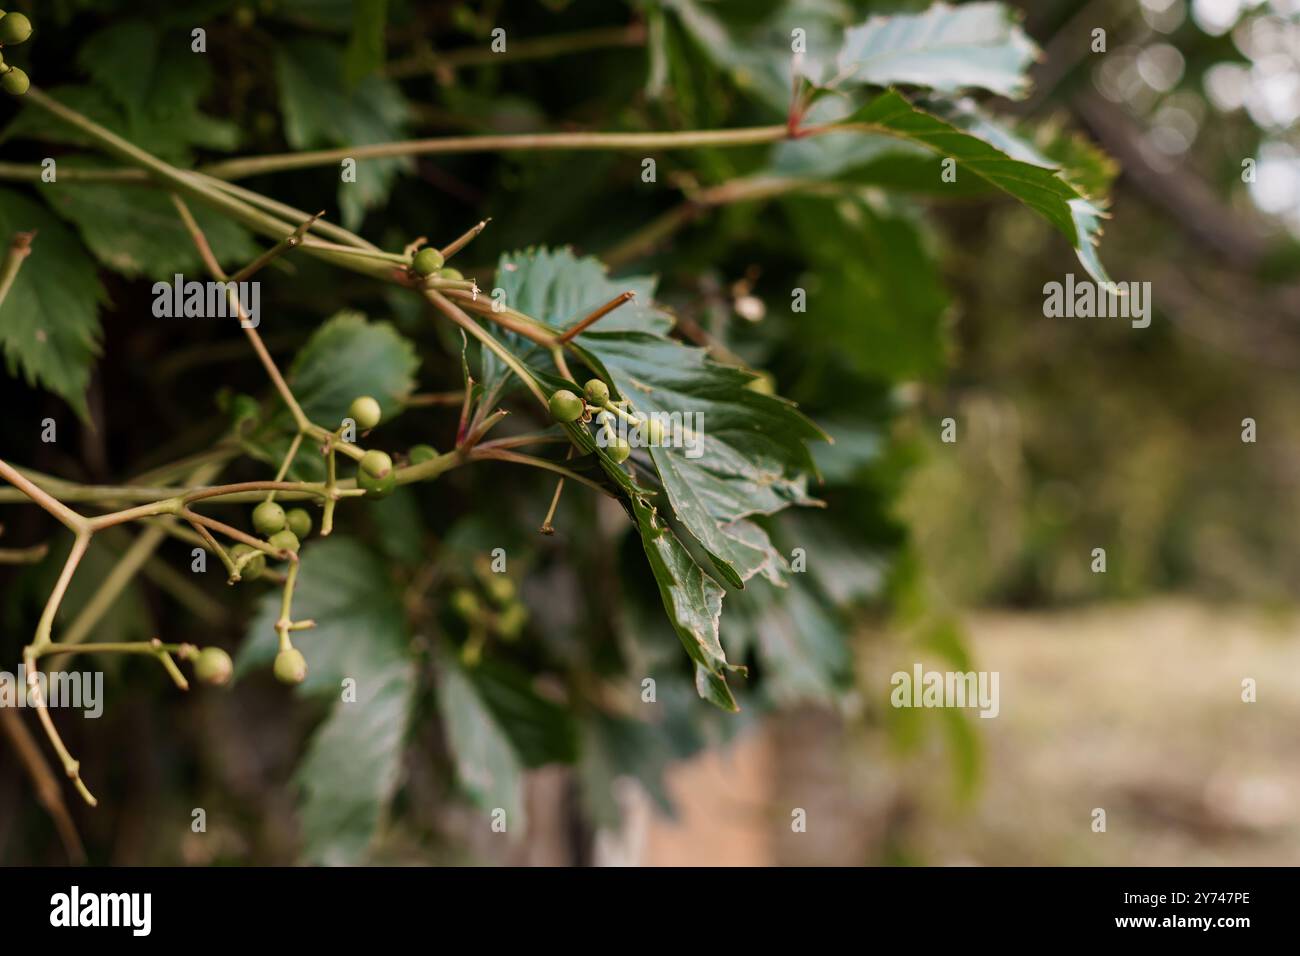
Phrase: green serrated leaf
x=944 y=48
x=694 y=604
x=122 y=60
x=321 y=110
x=134 y=230
x=354 y=760
x=741 y=452
x=487 y=765
x=147 y=87
x=1038 y=186
x=49 y=321
x=353 y=765
x=350 y=356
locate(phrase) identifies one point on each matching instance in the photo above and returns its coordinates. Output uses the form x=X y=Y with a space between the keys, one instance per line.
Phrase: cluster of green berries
x=429 y=262
x=501 y=613
x=14 y=28
x=375 y=471
x=283 y=530
x=567 y=407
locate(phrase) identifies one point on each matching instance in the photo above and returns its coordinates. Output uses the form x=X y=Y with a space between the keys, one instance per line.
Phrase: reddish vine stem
x=575 y=330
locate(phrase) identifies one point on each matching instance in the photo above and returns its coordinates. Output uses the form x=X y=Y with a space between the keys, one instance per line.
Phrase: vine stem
x=62 y=512
x=131 y=561
x=19 y=249
x=453 y=312
x=503 y=143
x=500 y=454
x=494 y=143
x=33 y=555
x=42 y=640
x=506 y=317
x=210 y=261
x=47 y=787
x=434 y=61
x=575 y=330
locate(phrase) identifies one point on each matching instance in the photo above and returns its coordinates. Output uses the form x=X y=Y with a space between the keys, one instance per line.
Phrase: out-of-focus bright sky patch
x=1150 y=77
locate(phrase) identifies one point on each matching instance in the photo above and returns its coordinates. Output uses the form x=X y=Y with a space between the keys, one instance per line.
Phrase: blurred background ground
x=1135 y=708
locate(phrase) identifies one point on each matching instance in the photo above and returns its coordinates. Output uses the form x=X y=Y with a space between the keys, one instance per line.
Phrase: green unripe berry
x=284 y=540
x=376 y=487
x=213 y=666
x=511 y=621
x=618 y=450
x=376 y=463
x=500 y=588
x=268 y=518
x=465 y=603
x=14 y=81
x=14 y=28
x=565 y=406
x=419 y=454
x=450 y=273
x=290 y=666
x=427 y=261
x=365 y=411
x=253 y=568
x=298 y=520
x=597 y=392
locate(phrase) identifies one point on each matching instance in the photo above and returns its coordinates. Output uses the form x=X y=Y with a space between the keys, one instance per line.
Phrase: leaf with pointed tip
x=1036 y=184
x=691 y=597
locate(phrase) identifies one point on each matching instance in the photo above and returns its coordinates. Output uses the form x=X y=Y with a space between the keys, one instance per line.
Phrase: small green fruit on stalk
x=290 y=666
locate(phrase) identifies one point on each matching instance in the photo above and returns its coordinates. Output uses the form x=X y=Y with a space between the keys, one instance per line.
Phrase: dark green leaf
x=49 y=321
x=347 y=357
x=365 y=52
x=135 y=230
x=875 y=299
x=540 y=730
x=320 y=110
x=353 y=765
x=487 y=765
x=1038 y=186
x=354 y=760
x=802 y=645
x=147 y=86
x=735 y=452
